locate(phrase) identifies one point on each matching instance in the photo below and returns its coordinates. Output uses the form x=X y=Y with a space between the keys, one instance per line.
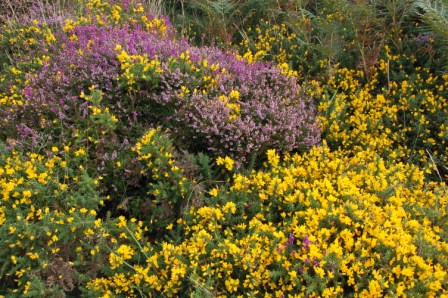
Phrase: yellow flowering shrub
x=167 y=188
x=118 y=13
x=48 y=222
x=322 y=224
x=227 y=162
x=137 y=68
x=402 y=119
x=273 y=42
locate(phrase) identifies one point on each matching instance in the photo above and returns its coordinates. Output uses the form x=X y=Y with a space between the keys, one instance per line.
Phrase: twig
x=201 y=286
x=434 y=163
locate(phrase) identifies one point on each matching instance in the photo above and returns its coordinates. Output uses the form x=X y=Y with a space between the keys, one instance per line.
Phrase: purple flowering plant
x=215 y=102
x=210 y=100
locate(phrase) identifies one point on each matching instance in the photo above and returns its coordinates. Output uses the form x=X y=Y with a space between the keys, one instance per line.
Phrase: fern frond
x=434 y=13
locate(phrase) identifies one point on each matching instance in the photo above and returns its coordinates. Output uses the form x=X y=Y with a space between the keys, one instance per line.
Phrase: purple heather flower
x=291 y=239
x=424 y=38
x=306 y=242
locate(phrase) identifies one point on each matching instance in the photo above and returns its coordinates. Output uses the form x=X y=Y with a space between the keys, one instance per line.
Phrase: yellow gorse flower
x=227 y=162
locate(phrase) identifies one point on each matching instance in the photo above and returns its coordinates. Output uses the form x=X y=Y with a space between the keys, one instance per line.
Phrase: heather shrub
x=61 y=87
x=20 y=11
x=210 y=100
x=13 y=10
x=83 y=56
x=215 y=103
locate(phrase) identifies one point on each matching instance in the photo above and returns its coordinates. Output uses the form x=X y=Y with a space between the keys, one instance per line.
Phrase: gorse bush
x=402 y=117
x=168 y=184
x=50 y=233
x=320 y=224
x=393 y=102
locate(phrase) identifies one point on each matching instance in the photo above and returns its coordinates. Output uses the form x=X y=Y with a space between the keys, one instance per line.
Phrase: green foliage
x=225 y=20
x=323 y=35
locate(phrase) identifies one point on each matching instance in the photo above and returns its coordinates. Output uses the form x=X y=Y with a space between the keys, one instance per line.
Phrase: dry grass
x=154 y=7
x=49 y=11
